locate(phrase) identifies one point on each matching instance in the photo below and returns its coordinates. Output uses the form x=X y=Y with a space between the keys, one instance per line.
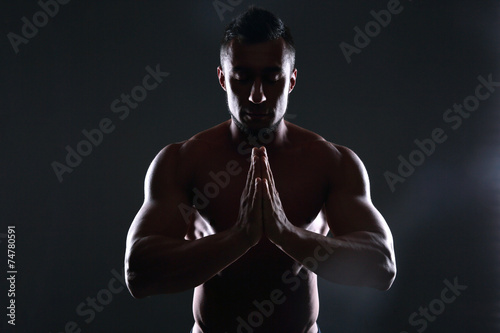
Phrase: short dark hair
x=257 y=25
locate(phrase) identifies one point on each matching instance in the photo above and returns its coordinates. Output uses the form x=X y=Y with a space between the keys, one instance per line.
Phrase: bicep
x=347 y=214
x=348 y=206
x=167 y=210
x=161 y=218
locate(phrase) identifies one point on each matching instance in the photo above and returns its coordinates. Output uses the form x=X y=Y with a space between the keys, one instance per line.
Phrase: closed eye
x=273 y=78
x=241 y=78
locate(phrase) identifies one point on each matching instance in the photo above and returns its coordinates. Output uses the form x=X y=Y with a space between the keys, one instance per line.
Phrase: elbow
x=137 y=293
x=134 y=285
x=386 y=269
x=135 y=274
x=143 y=283
x=135 y=277
x=385 y=276
x=385 y=282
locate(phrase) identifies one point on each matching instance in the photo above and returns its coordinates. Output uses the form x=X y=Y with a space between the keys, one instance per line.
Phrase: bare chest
x=219 y=182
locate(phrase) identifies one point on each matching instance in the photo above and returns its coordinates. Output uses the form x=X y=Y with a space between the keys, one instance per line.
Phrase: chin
x=255 y=126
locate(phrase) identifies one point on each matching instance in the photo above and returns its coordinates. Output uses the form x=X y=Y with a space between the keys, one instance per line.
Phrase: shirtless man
x=247 y=227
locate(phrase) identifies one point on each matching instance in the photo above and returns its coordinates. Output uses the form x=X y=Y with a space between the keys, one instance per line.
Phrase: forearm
x=159 y=265
x=359 y=258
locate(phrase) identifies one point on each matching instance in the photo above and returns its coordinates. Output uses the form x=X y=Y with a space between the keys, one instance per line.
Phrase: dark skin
x=265 y=230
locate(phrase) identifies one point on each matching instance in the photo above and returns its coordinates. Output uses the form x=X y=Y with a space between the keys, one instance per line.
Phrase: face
x=257 y=79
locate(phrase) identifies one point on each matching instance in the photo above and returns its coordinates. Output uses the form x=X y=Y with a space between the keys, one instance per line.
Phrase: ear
x=293 y=80
x=222 y=78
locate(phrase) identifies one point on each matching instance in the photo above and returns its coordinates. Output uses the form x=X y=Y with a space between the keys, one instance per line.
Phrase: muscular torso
x=222 y=303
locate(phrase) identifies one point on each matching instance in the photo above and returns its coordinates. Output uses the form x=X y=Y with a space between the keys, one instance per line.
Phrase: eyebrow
x=266 y=70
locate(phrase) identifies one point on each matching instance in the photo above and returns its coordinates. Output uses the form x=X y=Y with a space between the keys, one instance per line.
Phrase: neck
x=264 y=137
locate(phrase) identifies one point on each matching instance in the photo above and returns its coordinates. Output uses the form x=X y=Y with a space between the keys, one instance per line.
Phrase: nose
x=257 y=95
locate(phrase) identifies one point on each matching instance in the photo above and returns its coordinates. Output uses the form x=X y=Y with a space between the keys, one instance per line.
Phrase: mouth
x=258 y=116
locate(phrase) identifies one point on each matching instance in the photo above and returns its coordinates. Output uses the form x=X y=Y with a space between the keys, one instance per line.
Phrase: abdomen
x=263 y=291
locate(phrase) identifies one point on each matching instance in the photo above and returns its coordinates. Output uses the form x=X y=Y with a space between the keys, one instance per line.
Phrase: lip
x=258 y=115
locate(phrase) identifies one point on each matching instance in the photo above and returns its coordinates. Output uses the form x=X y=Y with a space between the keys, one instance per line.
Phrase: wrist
x=285 y=236
x=242 y=237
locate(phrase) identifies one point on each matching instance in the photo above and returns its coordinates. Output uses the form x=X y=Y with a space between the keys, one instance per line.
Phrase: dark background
x=71 y=234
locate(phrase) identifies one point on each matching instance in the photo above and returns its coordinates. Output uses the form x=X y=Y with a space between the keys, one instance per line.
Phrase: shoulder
x=346 y=170
x=163 y=171
x=316 y=144
x=210 y=138
x=339 y=157
x=193 y=148
x=342 y=166
x=178 y=160
x=299 y=136
x=172 y=168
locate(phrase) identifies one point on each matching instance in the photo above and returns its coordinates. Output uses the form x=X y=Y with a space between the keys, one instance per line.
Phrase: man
x=247 y=228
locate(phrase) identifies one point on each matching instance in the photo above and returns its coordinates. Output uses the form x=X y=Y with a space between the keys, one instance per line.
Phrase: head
x=257 y=69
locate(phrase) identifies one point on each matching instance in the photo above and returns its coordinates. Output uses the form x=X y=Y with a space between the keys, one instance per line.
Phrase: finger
x=258 y=166
x=250 y=177
x=267 y=198
x=266 y=158
x=257 y=198
x=256 y=176
x=267 y=174
x=270 y=176
x=264 y=168
x=252 y=174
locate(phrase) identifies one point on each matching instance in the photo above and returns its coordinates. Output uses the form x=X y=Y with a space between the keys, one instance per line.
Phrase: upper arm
x=167 y=209
x=348 y=206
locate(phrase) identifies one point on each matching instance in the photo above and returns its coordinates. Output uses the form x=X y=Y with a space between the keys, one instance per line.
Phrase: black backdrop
x=70 y=232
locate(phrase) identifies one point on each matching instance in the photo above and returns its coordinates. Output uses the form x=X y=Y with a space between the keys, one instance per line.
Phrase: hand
x=274 y=217
x=250 y=214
